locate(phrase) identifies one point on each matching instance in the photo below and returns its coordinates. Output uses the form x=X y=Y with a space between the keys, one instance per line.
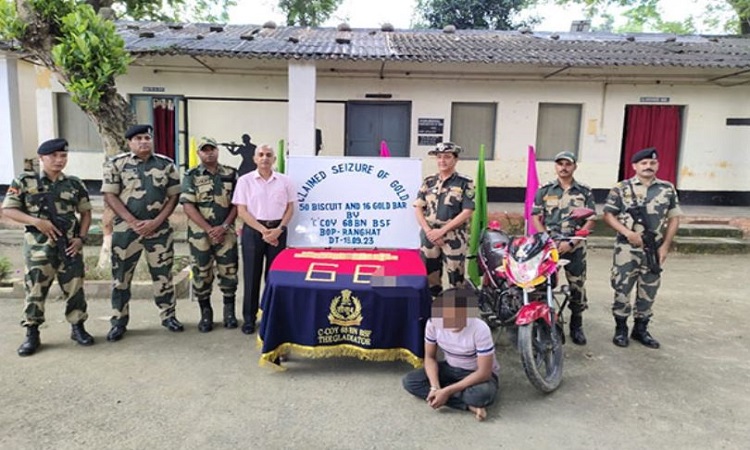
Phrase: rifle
x=650 y=246
x=47 y=205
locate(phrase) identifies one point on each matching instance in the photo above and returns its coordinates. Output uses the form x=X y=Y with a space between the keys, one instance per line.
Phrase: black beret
x=649 y=153
x=137 y=129
x=52 y=146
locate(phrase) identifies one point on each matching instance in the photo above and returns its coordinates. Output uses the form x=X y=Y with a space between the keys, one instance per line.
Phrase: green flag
x=281 y=158
x=478 y=219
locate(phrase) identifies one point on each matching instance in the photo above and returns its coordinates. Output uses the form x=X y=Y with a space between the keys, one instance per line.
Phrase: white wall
x=10 y=127
x=713 y=156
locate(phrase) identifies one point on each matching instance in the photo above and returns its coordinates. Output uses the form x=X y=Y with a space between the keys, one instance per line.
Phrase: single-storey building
x=343 y=91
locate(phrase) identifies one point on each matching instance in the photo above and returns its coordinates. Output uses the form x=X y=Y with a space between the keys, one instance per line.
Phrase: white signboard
x=354 y=202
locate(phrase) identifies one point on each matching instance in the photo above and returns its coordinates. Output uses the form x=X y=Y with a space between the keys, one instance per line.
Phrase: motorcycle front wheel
x=541 y=355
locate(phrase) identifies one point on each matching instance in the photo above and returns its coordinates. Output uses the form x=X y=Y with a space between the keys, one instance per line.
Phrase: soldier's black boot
x=31 y=343
x=621 y=332
x=80 y=335
x=172 y=324
x=230 y=320
x=576 y=329
x=640 y=333
x=206 y=323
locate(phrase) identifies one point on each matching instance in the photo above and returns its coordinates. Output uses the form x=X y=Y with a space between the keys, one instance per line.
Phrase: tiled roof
x=589 y=49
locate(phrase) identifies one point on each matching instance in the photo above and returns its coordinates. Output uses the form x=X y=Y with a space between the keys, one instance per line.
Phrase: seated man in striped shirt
x=468 y=378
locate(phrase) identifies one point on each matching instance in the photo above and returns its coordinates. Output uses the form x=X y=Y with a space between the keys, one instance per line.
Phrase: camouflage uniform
x=43 y=260
x=212 y=196
x=555 y=204
x=144 y=188
x=629 y=265
x=441 y=201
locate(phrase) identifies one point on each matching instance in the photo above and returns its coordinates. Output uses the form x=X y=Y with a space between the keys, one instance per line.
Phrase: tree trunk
x=112 y=119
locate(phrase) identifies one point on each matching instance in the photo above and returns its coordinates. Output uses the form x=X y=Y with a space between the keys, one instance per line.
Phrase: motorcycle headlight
x=527 y=271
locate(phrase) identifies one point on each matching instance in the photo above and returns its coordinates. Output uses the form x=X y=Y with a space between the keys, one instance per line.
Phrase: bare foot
x=479 y=413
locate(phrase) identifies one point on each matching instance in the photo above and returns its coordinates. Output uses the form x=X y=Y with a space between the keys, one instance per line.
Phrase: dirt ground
x=155 y=389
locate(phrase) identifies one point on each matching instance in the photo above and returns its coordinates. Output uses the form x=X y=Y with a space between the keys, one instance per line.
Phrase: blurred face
x=446 y=162
x=141 y=145
x=646 y=168
x=208 y=155
x=565 y=169
x=54 y=162
x=454 y=317
x=264 y=157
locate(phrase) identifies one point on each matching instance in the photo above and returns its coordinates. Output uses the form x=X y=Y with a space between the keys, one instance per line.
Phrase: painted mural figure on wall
x=246 y=150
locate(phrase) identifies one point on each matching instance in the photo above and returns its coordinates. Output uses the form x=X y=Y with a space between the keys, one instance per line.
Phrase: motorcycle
x=519 y=293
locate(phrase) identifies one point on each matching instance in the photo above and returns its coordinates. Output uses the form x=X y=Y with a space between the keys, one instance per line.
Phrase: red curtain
x=658 y=127
x=164 y=125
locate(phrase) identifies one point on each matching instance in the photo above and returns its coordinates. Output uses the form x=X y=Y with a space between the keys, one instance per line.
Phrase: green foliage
x=308 y=13
x=174 y=10
x=90 y=54
x=11 y=26
x=5 y=267
x=52 y=10
x=732 y=16
x=473 y=14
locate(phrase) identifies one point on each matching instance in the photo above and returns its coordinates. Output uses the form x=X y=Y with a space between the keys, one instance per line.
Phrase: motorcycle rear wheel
x=541 y=355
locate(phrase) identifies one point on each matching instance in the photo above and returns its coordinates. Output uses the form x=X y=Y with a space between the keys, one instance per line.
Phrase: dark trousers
x=254 y=251
x=479 y=395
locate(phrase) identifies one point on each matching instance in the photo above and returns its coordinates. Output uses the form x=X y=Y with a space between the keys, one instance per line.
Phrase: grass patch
x=141 y=270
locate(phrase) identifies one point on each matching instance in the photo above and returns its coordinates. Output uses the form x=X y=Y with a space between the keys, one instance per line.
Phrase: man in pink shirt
x=265 y=203
x=468 y=378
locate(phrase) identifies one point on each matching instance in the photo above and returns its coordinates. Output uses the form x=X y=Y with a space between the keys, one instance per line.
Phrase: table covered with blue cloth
x=369 y=304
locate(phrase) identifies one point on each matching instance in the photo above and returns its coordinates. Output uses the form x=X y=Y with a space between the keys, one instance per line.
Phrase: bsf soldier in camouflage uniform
x=142 y=189
x=46 y=253
x=443 y=207
x=630 y=263
x=207 y=201
x=553 y=205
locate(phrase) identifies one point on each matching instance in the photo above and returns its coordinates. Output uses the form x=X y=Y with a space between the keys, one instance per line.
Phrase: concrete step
x=712 y=245
x=709 y=230
x=718 y=228
x=688 y=244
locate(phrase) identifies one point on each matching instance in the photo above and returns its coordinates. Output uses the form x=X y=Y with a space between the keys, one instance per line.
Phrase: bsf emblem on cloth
x=346 y=310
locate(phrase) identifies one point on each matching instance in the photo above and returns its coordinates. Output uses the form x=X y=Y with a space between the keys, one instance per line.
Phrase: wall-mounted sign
x=430 y=126
x=654 y=99
x=154 y=89
x=429 y=140
x=737 y=122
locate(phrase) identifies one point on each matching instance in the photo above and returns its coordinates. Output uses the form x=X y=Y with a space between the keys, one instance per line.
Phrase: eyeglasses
x=261 y=154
